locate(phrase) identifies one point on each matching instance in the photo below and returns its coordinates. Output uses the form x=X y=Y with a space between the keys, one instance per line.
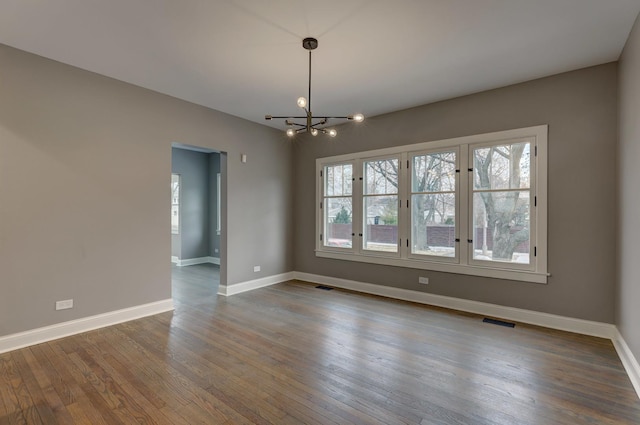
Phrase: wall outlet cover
x=64 y=304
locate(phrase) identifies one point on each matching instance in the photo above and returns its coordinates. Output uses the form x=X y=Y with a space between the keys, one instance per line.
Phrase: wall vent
x=324 y=288
x=499 y=322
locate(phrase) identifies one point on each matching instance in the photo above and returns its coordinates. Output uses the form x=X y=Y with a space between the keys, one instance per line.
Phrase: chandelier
x=313 y=125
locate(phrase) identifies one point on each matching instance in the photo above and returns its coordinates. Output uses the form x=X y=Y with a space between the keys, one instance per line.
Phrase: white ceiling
x=245 y=57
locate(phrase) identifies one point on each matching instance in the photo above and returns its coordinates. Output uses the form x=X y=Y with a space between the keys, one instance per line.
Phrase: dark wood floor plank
x=16 y=397
x=91 y=398
x=49 y=405
x=293 y=354
x=125 y=405
x=76 y=401
x=8 y=374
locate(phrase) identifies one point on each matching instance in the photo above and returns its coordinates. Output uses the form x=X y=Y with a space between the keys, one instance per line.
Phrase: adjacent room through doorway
x=196 y=216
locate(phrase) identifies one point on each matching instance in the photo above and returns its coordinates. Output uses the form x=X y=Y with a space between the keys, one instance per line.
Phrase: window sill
x=519 y=275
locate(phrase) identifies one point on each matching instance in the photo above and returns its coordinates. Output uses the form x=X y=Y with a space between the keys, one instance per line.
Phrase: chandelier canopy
x=313 y=125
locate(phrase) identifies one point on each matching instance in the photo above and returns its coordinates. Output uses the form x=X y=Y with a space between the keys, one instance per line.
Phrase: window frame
x=466 y=265
x=532 y=191
x=320 y=219
x=360 y=177
x=175 y=202
x=426 y=257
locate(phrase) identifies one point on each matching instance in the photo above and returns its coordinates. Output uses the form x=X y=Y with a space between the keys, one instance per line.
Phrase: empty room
x=336 y=212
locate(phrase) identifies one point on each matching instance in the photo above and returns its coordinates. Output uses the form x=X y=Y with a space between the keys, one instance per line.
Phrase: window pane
x=338 y=223
x=175 y=204
x=433 y=204
x=501 y=226
x=434 y=172
x=338 y=180
x=381 y=177
x=502 y=167
x=433 y=230
x=381 y=223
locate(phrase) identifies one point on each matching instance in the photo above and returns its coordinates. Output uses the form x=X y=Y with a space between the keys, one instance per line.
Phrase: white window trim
x=422 y=257
x=539 y=272
x=218 y=204
x=359 y=197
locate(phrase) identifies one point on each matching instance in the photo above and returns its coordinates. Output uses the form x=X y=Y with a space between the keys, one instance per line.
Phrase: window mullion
x=357 y=200
x=404 y=221
x=463 y=197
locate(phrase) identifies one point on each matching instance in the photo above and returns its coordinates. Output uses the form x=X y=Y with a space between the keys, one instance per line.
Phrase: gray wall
x=628 y=319
x=195 y=194
x=85 y=166
x=580 y=108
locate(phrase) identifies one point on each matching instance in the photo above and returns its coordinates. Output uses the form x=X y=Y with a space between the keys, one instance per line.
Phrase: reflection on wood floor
x=294 y=354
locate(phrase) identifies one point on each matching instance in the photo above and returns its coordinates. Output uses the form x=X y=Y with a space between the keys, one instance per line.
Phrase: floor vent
x=324 y=288
x=499 y=322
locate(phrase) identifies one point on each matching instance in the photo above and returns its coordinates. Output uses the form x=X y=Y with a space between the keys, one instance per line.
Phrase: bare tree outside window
x=338 y=206
x=501 y=202
x=433 y=204
x=380 y=193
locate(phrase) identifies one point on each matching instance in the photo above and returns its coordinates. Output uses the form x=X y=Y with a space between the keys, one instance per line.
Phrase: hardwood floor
x=294 y=354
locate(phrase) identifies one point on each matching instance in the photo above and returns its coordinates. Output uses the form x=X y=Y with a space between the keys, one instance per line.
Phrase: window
x=175 y=204
x=218 y=204
x=380 y=199
x=472 y=205
x=433 y=204
x=337 y=200
x=501 y=198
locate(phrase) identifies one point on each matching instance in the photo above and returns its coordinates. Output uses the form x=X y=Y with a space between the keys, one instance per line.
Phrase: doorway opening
x=198 y=194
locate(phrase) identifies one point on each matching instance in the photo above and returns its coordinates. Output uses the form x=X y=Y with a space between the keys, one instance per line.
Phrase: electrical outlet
x=216 y=250
x=424 y=280
x=256 y=269
x=64 y=305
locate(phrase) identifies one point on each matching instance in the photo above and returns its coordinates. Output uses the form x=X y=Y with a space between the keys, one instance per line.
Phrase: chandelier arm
x=290 y=117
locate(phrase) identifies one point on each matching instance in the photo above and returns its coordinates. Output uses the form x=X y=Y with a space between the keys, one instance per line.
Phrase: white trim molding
x=73 y=327
x=228 y=290
x=629 y=361
x=586 y=327
x=194 y=261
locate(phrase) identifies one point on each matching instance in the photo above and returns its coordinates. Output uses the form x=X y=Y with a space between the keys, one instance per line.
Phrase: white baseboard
x=250 y=285
x=586 y=327
x=629 y=361
x=175 y=259
x=194 y=261
x=60 y=330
